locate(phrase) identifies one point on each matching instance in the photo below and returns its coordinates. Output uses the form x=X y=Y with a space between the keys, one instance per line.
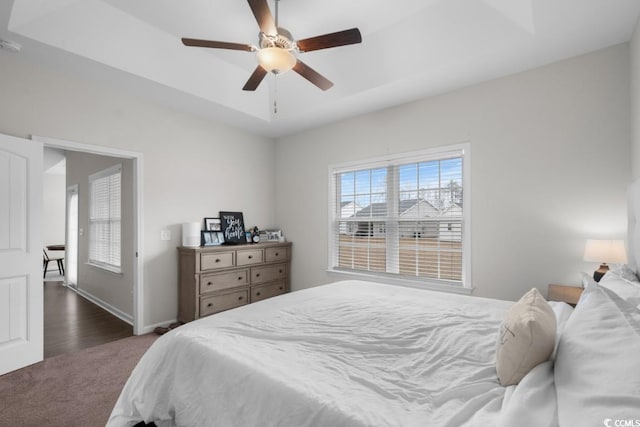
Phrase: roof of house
x=380 y=209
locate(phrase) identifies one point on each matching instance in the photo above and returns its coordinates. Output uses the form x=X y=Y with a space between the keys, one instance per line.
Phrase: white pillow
x=625 y=289
x=588 y=281
x=527 y=337
x=624 y=272
x=597 y=368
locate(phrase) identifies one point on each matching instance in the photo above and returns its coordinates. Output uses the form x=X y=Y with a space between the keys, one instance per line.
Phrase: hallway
x=72 y=323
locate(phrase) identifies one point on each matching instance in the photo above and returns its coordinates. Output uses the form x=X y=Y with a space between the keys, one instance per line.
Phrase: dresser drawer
x=216 y=260
x=253 y=256
x=268 y=273
x=261 y=292
x=216 y=282
x=214 y=304
x=276 y=254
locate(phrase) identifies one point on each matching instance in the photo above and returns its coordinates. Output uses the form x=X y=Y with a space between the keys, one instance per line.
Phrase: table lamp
x=604 y=251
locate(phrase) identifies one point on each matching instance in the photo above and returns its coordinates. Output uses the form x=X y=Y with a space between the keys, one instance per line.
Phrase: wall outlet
x=81 y=231
x=165 y=234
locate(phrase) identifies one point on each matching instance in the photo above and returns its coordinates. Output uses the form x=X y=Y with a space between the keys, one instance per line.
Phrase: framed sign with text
x=232 y=227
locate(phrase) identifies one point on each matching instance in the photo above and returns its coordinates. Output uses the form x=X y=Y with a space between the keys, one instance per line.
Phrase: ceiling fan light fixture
x=276 y=60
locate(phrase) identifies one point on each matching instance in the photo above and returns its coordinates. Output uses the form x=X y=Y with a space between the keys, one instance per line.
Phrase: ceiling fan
x=277 y=50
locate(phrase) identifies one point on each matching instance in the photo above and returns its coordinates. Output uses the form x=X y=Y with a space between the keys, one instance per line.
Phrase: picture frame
x=212 y=224
x=211 y=238
x=273 y=235
x=233 y=227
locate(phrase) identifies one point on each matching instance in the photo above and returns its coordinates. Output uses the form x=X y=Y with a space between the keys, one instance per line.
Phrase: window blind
x=403 y=217
x=105 y=218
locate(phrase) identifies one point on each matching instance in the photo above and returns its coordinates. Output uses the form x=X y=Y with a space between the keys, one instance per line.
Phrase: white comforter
x=346 y=354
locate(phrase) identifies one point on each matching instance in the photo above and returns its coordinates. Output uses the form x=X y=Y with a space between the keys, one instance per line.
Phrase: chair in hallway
x=45 y=263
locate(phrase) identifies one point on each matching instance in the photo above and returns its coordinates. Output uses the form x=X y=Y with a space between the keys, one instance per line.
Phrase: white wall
x=53 y=203
x=550 y=165
x=186 y=175
x=634 y=53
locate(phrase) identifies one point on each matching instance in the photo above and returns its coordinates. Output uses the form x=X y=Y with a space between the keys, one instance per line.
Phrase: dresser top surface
x=224 y=248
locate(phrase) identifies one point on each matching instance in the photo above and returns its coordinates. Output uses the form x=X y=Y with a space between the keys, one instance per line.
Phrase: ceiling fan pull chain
x=277 y=1
x=275 y=90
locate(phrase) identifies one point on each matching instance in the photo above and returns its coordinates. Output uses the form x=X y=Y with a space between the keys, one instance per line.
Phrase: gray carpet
x=74 y=389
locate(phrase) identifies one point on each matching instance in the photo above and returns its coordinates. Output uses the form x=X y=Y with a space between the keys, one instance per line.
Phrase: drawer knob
x=217 y=259
x=280 y=271
x=209 y=283
x=240 y=298
x=210 y=304
x=280 y=288
x=240 y=278
x=257 y=294
x=250 y=256
x=257 y=274
x=277 y=254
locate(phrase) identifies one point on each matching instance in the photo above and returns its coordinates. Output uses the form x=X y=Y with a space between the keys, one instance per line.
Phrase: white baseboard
x=97 y=301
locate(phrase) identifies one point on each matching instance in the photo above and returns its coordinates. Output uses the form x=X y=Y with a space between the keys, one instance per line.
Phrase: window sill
x=403 y=282
x=112 y=270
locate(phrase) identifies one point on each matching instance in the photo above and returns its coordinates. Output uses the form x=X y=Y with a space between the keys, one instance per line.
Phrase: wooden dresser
x=218 y=278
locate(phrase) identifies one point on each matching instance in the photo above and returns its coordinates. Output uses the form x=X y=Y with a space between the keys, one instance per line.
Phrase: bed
x=346 y=354
x=356 y=353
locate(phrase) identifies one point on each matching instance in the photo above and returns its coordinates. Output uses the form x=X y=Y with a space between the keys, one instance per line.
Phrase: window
x=403 y=217
x=104 y=218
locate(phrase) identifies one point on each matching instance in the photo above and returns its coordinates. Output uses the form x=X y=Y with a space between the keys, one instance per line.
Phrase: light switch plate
x=165 y=234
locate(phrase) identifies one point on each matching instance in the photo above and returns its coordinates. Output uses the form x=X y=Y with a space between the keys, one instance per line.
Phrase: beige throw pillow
x=527 y=338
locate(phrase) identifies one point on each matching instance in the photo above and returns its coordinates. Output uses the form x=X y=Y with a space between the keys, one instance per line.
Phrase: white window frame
x=463 y=150
x=113 y=170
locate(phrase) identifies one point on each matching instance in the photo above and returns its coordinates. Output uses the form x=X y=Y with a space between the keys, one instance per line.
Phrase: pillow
x=625 y=289
x=624 y=272
x=527 y=338
x=587 y=280
x=597 y=368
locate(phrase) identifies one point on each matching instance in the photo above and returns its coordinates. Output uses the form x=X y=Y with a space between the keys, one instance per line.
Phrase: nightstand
x=565 y=293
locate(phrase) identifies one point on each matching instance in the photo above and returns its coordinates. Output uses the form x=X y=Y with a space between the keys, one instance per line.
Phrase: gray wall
x=550 y=165
x=183 y=172
x=113 y=289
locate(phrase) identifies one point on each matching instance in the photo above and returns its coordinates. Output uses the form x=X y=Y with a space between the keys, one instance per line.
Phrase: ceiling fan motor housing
x=283 y=39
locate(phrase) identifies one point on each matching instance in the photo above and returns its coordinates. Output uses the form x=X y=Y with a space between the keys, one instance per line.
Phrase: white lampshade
x=276 y=59
x=605 y=251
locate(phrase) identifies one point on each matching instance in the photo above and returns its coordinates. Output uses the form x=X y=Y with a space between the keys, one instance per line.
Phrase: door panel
x=13 y=171
x=14 y=310
x=21 y=311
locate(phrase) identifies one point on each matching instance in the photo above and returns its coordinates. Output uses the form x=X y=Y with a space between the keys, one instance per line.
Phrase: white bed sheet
x=346 y=354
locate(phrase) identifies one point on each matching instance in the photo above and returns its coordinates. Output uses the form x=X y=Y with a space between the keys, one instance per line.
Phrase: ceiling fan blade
x=217 y=45
x=263 y=15
x=255 y=79
x=341 y=38
x=312 y=75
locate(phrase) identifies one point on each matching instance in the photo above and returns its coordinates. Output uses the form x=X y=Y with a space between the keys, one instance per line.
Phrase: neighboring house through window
x=105 y=207
x=403 y=217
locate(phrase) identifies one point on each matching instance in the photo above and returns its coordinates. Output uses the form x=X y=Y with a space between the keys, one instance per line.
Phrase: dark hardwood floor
x=72 y=323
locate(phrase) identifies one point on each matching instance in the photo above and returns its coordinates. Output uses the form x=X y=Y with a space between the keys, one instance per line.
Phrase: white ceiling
x=410 y=49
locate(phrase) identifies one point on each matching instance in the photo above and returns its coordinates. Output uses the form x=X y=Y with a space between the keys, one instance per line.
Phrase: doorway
x=72 y=236
x=136 y=255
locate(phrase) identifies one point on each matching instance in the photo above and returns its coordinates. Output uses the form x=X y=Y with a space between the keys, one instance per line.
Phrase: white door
x=21 y=285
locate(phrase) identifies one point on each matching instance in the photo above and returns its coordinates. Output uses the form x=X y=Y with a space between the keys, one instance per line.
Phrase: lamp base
x=597 y=275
